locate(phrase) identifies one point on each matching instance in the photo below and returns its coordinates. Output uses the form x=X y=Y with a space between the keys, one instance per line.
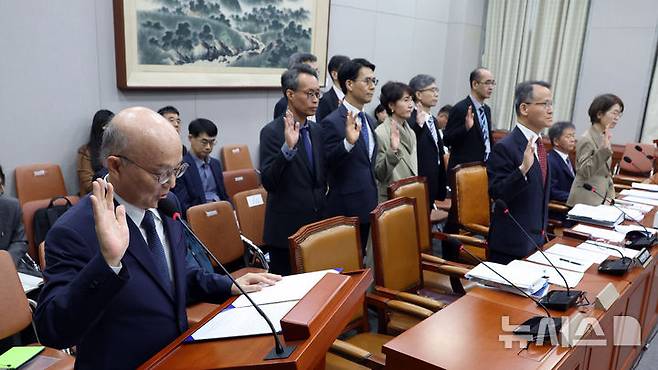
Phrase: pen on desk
x=566 y=260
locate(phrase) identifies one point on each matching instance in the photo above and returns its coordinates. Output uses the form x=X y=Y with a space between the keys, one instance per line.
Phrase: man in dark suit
x=116 y=279
x=468 y=132
x=563 y=139
x=12 y=233
x=350 y=147
x=203 y=182
x=294 y=59
x=292 y=166
x=173 y=116
x=334 y=96
x=518 y=174
x=428 y=139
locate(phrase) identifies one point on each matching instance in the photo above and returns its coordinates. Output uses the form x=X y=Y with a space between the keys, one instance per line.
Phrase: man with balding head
x=116 y=279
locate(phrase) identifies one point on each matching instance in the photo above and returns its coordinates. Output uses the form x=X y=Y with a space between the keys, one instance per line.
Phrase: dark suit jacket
x=351 y=176
x=120 y=320
x=295 y=189
x=12 y=233
x=465 y=145
x=561 y=177
x=429 y=155
x=280 y=107
x=328 y=104
x=189 y=188
x=527 y=199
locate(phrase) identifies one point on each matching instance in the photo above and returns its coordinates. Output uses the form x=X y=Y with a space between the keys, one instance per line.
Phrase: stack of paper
x=598 y=233
x=572 y=277
x=289 y=288
x=599 y=215
x=623 y=203
x=608 y=249
x=643 y=186
x=531 y=281
x=640 y=193
x=651 y=202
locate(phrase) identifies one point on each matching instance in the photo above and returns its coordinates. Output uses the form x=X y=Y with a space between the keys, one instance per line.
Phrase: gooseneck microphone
x=636 y=239
x=555 y=299
x=531 y=326
x=610 y=266
x=169 y=209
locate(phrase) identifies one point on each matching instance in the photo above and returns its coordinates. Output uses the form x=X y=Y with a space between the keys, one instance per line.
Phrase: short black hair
x=603 y=103
x=202 y=125
x=297 y=58
x=524 y=92
x=336 y=62
x=445 y=109
x=391 y=92
x=380 y=108
x=290 y=77
x=557 y=129
x=2 y=176
x=350 y=71
x=475 y=76
x=168 y=109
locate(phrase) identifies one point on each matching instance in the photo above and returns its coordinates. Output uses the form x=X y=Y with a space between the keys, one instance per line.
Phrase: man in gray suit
x=12 y=235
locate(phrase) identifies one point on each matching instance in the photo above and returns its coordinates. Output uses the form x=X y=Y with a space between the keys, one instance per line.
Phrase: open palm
x=111 y=226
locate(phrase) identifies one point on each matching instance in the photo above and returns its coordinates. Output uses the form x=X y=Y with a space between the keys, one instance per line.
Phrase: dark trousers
x=364 y=229
x=501 y=258
x=280 y=261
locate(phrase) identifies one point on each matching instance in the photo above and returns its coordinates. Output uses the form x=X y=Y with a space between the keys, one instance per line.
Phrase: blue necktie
x=364 y=132
x=484 y=126
x=157 y=249
x=306 y=137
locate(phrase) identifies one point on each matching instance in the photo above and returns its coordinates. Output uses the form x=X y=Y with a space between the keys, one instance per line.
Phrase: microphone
x=610 y=266
x=255 y=251
x=639 y=149
x=636 y=239
x=556 y=299
x=531 y=326
x=169 y=209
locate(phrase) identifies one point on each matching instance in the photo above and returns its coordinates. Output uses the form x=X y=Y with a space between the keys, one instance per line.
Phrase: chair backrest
x=29 y=209
x=39 y=181
x=326 y=244
x=250 y=210
x=235 y=157
x=240 y=180
x=15 y=314
x=395 y=244
x=416 y=188
x=470 y=193
x=640 y=165
x=214 y=223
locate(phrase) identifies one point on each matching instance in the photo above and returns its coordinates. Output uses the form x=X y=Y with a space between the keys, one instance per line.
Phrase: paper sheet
x=651 y=202
x=289 y=288
x=599 y=233
x=243 y=321
x=560 y=262
x=640 y=193
x=607 y=249
x=572 y=253
x=623 y=203
x=626 y=228
x=572 y=277
x=29 y=282
x=642 y=186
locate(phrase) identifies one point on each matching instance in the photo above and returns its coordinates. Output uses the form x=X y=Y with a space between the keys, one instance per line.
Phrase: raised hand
x=253 y=282
x=469 y=119
x=528 y=158
x=421 y=115
x=111 y=226
x=352 y=128
x=395 y=136
x=291 y=130
x=607 y=136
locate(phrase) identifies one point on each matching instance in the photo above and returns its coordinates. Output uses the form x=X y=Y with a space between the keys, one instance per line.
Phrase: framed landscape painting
x=215 y=43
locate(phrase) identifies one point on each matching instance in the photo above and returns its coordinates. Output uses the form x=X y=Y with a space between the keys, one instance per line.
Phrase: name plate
x=606 y=297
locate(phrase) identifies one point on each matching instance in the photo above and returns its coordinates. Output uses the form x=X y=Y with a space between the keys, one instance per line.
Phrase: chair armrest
x=357 y=354
x=438 y=216
x=464 y=239
x=626 y=179
x=409 y=309
x=412 y=298
x=559 y=207
x=445 y=269
x=443 y=204
x=476 y=229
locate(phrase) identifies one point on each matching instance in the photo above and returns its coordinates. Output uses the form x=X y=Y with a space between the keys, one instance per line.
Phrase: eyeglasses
x=312 y=94
x=616 y=113
x=488 y=82
x=369 y=81
x=547 y=104
x=432 y=89
x=164 y=177
x=206 y=142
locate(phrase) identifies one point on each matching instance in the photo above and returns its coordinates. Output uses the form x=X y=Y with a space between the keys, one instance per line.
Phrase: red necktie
x=541 y=154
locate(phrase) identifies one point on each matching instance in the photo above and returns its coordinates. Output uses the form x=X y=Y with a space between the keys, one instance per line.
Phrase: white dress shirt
x=371 y=140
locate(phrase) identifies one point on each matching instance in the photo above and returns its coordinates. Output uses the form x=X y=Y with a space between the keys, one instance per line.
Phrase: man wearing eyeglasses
x=292 y=166
x=468 y=132
x=203 y=182
x=116 y=279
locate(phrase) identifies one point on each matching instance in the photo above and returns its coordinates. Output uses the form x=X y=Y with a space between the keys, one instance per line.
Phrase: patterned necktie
x=484 y=127
x=157 y=249
x=541 y=155
x=570 y=167
x=364 y=132
x=308 y=147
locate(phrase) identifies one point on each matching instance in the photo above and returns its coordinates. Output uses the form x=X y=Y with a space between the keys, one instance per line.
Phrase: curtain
x=534 y=40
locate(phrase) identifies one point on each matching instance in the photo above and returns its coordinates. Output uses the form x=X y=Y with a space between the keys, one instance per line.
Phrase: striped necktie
x=484 y=127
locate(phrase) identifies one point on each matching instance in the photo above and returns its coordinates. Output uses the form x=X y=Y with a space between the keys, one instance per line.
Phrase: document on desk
x=243 y=321
x=626 y=228
x=651 y=202
x=599 y=233
x=29 y=282
x=530 y=281
x=568 y=252
x=572 y=277
x=560 y=262
x=608 y=249
x=640 y=193
x=289 y=288
x=643 y=186
x=603 y=215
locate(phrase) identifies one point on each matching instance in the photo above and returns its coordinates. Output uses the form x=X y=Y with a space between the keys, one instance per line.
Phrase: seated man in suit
x=350 y=147
x=334 y=96
x=116 y=281
x=203 y=182
x=518 y=174
x=12 y=233
x=563 y=139
x=292 y=166
x=173 y=116
x=297 y=58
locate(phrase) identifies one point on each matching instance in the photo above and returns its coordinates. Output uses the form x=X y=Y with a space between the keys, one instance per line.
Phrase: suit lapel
x=178 y=250
x=195 y=177
x=476 y=118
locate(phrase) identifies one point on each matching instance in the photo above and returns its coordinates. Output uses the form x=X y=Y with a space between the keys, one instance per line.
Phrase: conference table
x=470 y=333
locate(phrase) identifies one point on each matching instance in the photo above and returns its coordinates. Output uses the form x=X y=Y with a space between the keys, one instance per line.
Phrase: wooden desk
x=248 y=352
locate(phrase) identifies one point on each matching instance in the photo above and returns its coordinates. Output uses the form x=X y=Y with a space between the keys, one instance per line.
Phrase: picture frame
x=215 y=44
